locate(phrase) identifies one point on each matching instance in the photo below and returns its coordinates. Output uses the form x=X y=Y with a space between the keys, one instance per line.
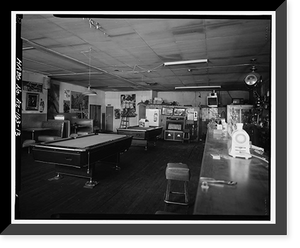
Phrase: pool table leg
x=90 y=184
x=117 y=167
x=57 y=177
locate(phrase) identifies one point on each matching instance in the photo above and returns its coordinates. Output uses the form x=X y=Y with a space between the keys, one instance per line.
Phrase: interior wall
x=43 y=96
x=113 y=98
x=98 y=100
x=196 y=99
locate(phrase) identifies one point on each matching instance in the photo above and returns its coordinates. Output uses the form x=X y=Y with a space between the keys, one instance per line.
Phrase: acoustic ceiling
x=127 y=52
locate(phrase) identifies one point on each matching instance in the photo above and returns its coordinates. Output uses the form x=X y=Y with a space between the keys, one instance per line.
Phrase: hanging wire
x=89 y=58
x=90 y=67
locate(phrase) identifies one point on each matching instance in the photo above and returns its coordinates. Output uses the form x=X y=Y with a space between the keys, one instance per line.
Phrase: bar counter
x=248 y=199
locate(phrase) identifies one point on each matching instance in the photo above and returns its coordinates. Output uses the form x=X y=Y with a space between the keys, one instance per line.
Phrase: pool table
x=77 y=156
x=141 y=135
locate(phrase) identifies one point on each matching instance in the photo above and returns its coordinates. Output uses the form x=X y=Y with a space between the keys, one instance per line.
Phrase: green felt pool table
x=141 y=135
x=78 y=156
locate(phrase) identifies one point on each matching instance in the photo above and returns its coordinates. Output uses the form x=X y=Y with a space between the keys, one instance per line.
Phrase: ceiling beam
x=40 y=47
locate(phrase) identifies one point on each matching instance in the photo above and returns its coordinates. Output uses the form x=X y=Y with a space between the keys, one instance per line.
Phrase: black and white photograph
x=185 y=130
x=32 y=101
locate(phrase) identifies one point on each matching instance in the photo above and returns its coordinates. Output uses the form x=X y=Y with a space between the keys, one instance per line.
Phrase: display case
x=209 y=114
x=237 y=114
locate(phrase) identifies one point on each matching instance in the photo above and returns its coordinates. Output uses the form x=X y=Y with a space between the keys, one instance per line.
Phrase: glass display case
x=237 y=114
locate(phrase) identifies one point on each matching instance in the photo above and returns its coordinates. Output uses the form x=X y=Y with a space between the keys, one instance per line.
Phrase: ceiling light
x=252 y=78
x=186 y=62
x=89 y=92
x=27 y=48
x=198 y=87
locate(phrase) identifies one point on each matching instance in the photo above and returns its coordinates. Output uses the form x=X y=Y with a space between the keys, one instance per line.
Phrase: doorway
x=95 y=114
x=109 y=118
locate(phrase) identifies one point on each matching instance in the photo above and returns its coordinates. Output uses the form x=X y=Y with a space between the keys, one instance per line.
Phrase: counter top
x=250 y=197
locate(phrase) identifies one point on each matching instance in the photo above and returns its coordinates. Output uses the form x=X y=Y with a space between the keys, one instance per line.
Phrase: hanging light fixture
x=89 y=92
x=252 y=78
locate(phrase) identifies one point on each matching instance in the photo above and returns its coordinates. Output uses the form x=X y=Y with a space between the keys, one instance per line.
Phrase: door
x=142 y=111
x=95 y=114
x=109 y=118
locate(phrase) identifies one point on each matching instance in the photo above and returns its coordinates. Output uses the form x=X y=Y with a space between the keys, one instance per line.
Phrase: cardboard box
x=143 y=123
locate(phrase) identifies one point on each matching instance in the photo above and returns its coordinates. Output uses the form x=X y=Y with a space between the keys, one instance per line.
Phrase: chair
x=177 y=172
x=56 y=131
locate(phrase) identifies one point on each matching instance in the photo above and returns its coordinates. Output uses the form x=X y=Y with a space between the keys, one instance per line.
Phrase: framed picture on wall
x=34 y=87
x=32 y=101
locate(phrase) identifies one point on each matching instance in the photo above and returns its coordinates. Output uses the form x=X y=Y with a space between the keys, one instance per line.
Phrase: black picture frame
x=32 y=101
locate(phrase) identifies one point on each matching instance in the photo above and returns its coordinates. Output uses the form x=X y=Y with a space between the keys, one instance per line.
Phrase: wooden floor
x=136 y=191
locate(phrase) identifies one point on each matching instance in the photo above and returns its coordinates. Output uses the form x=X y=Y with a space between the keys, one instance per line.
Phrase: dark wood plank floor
x=136 y=190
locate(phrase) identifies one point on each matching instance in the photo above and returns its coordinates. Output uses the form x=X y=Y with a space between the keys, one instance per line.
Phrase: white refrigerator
x=152 y=115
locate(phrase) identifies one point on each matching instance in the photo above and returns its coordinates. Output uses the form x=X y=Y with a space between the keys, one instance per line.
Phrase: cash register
x=239 y=144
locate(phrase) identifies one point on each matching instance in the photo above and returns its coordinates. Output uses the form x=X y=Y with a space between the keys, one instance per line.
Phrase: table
x=34 y=130
x=78 y=156
x=248 y=199
x=141 y=135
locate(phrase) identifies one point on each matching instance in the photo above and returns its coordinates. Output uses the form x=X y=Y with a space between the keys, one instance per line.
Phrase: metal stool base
x=185 y=193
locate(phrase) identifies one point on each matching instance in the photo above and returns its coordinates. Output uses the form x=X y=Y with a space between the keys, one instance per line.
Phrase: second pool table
x=141 y=136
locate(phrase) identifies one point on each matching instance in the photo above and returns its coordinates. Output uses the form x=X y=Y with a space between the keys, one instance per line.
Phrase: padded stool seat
x=28 y=143
x=178 y=172
x=45 y=138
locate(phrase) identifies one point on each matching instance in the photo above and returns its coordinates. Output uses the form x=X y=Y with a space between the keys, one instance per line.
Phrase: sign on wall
x=128 y=105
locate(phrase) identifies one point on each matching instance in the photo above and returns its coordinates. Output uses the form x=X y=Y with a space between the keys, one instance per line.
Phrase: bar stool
x=177 y=172
x=186 y=135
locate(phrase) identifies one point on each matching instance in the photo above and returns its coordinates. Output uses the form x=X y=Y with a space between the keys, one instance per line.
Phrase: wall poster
x=79 y=104
x=128 y=105
x=67 y=104
x=117 y=113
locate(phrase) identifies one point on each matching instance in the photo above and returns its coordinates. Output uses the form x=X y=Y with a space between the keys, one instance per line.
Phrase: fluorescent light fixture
x=27 y=48
x=198 y=87
x=186 y=62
